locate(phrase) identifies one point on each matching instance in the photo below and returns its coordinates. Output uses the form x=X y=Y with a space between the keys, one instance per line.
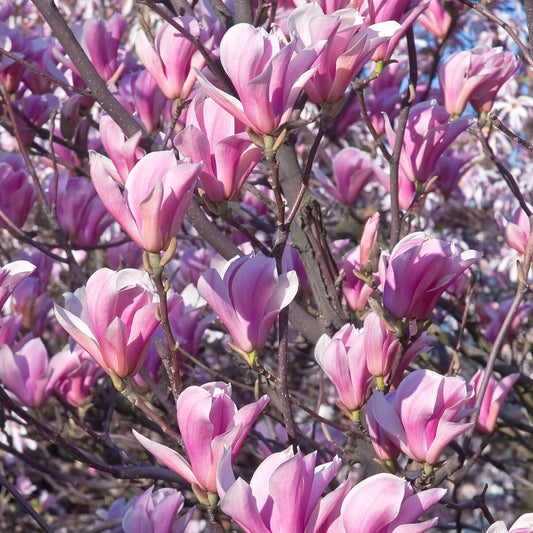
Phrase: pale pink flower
x=342 y=358
x=418 y=272
x=423 y=414
x=157 y=512
x=156 y=196
x=428 y=133
x=524 y=524
x=436 y=19
x=283 y=495
x=267 y=76
x=348 y=47
x=475 y=76
x=493 y=399
x=214 y=137
x=249 y=297
x=385 y=503
x=173 y=58
x=113 y=318
x=208 y=420
x=27 y=372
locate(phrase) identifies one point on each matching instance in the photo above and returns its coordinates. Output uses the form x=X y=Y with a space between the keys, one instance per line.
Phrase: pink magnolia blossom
x=524 y=524
x=423 y=414
x=101 y=40
x=342 y=359
x=78 y=372
x=156 y=512
x=493 y=399
x=18 y=193
x=384 y=503
x=27 y=372
x=418 y=272
x=157 y=194
x=213 y=136
x=11 y=275
x=173 y=58
x=283 y=495
x=80 y=212
x=348 y=47
x=352 y=169
x=428 y=133
x=267 y=76
x=436 y=19
x=208 y=420
x=375 y=11
x=249 y=297
x=475 y=76
x=516 y=231
x=113 y=318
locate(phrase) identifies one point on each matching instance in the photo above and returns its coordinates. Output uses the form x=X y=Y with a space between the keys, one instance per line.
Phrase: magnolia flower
x=213 y=136
x=342 y=359
x=173 y=58
x=493 y=399
x=267 y=76
x=524 y=524
x=283 y=495
x=385 y=503
x=113 y=318
x=249 y=297
x=475 y=76
x=157 y=194
x=11 y=275
x=208 y=420
x=423 y=414
x=418 y=272
x=349 y=45
x=428 y=133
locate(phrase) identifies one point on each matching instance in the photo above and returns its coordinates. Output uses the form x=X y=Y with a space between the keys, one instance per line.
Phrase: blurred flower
x=493 y=399
x=12 y=275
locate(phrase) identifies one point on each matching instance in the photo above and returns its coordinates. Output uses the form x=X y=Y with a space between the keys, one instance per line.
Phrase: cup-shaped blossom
x=423 y=414
x=18 y=194
x=417 y=273
x=156 y=512
x=355 y=290
x=475 y=76
x=428 y=133
x=267 y=76
x=348 y=47
x=208 y=420
x=173 y=58
x=213 y=136
x=248 y=297
x=11 y=275
x=113 y=318
x=27 y=372
x=384 y=503
x=493 y=399
x=283 y=495
x=516 y=231
x=78 y=372
x=352 y=169
x=342 y=359
x=156 y=196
